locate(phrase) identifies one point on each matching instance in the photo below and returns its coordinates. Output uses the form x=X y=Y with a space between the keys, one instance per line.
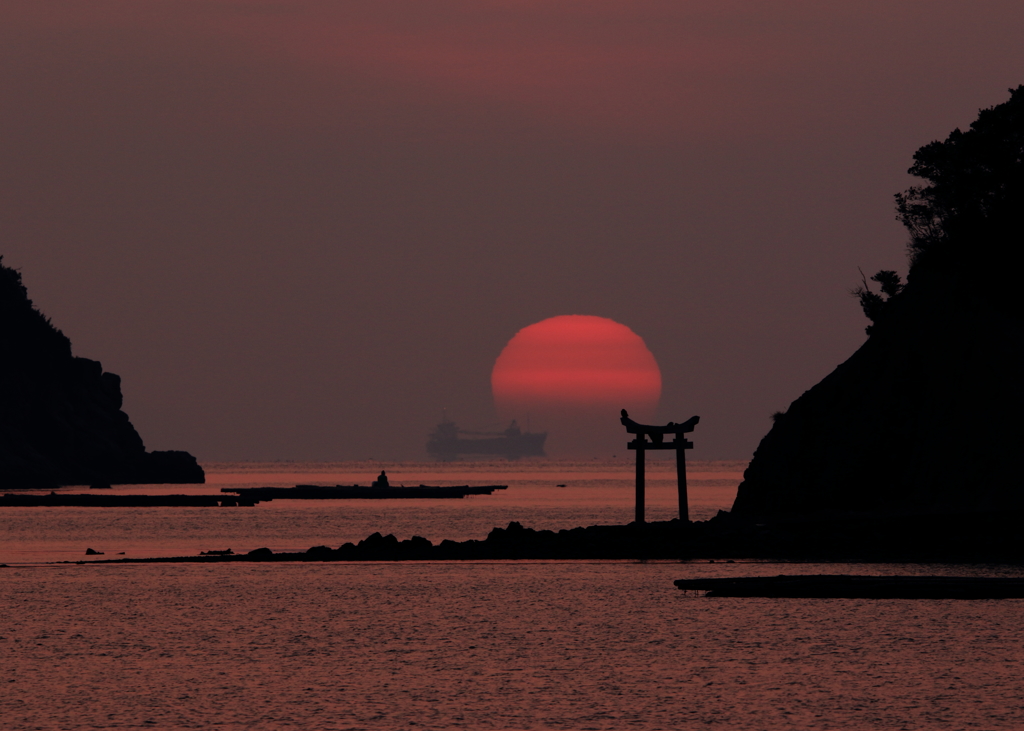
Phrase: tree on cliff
x=972 y=208
x=876 y=305
x=22 y=326
x=969 y=217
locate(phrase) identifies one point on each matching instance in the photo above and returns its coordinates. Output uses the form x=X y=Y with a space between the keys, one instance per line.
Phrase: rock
x=378 y=546
x=260 y=553
x=61 y=421
x=170 y=467
x=417 y=545
x=91 y=552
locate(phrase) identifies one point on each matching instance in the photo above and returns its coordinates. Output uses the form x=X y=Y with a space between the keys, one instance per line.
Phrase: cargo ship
x=447 y=442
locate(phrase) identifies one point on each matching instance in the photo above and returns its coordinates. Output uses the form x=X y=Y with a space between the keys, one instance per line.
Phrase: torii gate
x=657 y=435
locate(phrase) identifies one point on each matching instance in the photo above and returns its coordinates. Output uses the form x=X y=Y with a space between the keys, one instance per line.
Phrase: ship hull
x=524 y=445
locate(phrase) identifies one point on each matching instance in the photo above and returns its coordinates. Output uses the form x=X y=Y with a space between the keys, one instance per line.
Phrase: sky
x=301 y=229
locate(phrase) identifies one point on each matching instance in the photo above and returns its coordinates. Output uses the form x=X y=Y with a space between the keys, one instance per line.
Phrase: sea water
x=475 y=645
x=542 y=494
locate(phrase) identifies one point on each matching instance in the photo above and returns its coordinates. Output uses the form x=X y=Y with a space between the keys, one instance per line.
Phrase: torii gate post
x=657 y=433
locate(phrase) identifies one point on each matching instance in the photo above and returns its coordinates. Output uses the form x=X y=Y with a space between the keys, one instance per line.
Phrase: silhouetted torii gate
x=657 y=435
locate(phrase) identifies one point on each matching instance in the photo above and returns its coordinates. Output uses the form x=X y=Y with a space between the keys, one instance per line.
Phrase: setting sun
x=577 y=363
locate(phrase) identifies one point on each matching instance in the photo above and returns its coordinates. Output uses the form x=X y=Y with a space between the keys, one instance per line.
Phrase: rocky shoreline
x=964 y=538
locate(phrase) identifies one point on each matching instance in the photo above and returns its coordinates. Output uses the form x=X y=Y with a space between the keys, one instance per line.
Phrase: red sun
x=575 y=363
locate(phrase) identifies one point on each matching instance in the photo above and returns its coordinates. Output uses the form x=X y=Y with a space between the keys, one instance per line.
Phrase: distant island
x=60 y=416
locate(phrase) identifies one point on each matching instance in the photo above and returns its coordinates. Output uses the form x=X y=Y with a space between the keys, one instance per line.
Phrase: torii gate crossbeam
x=657 y=441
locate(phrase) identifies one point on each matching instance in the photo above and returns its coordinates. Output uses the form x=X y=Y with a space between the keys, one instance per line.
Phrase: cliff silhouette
x=926 y=417
x=60 y=416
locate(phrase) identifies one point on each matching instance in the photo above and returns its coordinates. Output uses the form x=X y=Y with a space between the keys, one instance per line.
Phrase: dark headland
x=926 y=417
x=60 y=416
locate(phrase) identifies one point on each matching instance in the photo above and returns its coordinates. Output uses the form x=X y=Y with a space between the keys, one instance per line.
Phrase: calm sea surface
x=497 y=645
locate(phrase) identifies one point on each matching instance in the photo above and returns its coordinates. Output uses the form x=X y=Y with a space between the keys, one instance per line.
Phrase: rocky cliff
x=926 y=417
x=60 y=416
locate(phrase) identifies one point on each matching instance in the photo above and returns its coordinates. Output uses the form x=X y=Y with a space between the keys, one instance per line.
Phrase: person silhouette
x=382 y=480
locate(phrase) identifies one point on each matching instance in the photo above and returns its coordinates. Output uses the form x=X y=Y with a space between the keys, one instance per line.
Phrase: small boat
x=85 y=500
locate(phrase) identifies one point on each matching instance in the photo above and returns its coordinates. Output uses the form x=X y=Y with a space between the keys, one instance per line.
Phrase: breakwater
x=845 y=586
x=54 y=500
x=361 y=492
